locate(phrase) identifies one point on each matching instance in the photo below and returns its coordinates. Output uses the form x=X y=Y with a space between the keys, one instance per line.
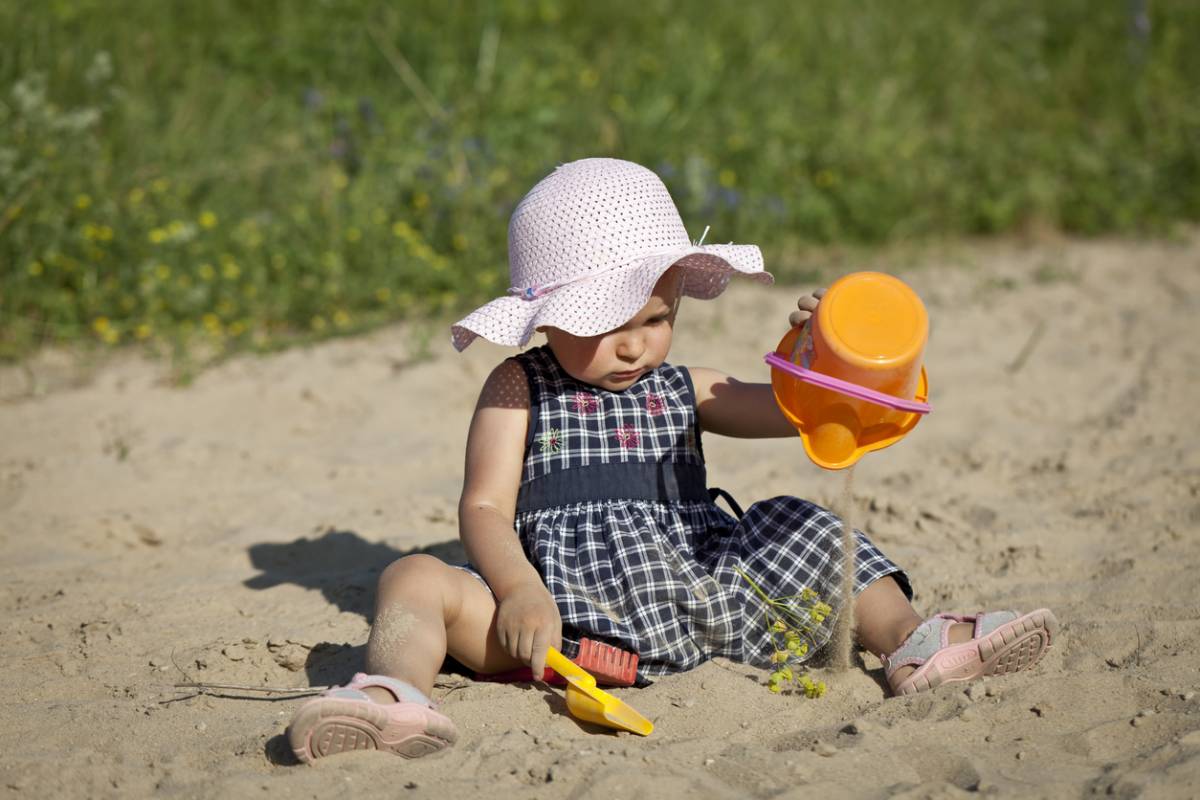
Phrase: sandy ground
x=231 y=532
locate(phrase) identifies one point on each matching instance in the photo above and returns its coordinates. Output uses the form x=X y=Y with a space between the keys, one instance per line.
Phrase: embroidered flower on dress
x=585 y=403
x=627 y=436
x=655 y=405
x=550 y=440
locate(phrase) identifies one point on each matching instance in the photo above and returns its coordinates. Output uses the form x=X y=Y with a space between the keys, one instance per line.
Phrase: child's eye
x=659 y=320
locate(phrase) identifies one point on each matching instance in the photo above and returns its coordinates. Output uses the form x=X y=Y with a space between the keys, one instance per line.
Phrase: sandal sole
x=327 y=726
x=1012 y=647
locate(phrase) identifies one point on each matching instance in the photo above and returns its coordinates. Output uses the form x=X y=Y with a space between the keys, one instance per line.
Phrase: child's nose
x=630 y=347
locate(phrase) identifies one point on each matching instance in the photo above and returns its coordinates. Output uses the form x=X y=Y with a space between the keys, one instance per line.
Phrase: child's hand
x=805 y=306
x=527 y=624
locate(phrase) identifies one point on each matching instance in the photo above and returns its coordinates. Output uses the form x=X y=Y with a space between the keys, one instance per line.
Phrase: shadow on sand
x=345 y=568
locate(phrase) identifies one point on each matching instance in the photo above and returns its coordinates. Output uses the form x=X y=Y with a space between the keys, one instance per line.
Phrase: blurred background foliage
x=246 y=173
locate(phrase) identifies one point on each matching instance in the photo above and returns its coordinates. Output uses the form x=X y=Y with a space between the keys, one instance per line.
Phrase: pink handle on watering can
x=846 y=387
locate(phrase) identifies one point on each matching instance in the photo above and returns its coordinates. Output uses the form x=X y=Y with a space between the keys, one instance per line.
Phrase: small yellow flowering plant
x=792 y=622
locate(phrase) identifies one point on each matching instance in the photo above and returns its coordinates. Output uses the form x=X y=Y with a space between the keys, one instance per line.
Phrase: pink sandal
x=346 y=718
x=1003 y=642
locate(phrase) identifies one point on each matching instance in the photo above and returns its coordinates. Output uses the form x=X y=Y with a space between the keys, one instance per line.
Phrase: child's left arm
x=746 y=410
x=732 y=408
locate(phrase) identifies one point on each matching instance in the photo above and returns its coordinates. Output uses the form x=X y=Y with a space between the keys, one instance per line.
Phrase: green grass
x=247 y=174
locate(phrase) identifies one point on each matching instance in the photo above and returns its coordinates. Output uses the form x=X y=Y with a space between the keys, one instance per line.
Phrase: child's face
x=615 y=360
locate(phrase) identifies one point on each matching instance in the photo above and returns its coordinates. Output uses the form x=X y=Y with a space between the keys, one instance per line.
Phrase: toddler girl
x=585 y=510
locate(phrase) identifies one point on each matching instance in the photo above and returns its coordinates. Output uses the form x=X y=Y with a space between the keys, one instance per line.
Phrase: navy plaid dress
x=615 y=513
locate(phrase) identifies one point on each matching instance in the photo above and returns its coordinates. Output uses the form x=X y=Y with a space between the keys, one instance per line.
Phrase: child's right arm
x=527 y=618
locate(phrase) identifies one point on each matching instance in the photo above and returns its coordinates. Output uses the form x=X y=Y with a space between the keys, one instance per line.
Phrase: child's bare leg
x=885 y=619
x=424 y=609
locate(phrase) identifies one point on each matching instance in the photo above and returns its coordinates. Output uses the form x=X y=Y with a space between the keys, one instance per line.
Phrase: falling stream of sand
x=843 y=631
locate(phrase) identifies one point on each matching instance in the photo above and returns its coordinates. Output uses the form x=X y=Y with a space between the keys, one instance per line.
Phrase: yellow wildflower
x=207 y=272
x=340 y=318
x=353 y=234
x=207 y=220
x=459 y=242
x=142 y=331
x=35 y=268
x=588 y=77
x=157 y=236
x=340 y=180
x=136 y=195
x=420 y=201
x=105 y=330
x=727 y=178
x=162 y=272
x=160 y=185
x=230 y=270
x=83 y=201
x=383 y=294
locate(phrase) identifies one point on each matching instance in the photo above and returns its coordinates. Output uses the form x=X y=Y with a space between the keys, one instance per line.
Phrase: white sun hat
x=586 y=247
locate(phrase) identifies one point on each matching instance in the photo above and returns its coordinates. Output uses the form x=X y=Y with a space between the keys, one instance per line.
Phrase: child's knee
x=415 y=573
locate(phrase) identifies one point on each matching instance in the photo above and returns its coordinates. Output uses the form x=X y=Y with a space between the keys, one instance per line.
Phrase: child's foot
x=996 y=643
x=347 y=718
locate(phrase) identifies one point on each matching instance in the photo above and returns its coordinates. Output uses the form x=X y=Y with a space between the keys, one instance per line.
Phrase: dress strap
x=714 y=493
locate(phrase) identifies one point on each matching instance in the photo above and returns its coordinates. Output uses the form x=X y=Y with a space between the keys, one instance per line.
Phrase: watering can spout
x=835 y=434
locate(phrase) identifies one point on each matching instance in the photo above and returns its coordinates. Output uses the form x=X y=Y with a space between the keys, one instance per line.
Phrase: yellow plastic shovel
x=590 y=704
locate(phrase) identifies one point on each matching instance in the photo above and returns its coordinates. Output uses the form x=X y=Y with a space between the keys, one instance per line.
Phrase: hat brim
x=609 y=300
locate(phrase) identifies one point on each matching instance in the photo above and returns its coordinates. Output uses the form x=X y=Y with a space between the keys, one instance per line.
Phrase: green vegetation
x=243 y=174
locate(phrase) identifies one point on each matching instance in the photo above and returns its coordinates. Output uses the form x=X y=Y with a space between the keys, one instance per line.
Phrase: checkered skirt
x=615 y=513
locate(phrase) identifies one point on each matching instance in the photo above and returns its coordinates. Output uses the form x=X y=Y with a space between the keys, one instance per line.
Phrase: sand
x=231 y=531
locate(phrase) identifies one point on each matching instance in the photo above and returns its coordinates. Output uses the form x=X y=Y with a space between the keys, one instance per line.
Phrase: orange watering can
x=851 y=378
